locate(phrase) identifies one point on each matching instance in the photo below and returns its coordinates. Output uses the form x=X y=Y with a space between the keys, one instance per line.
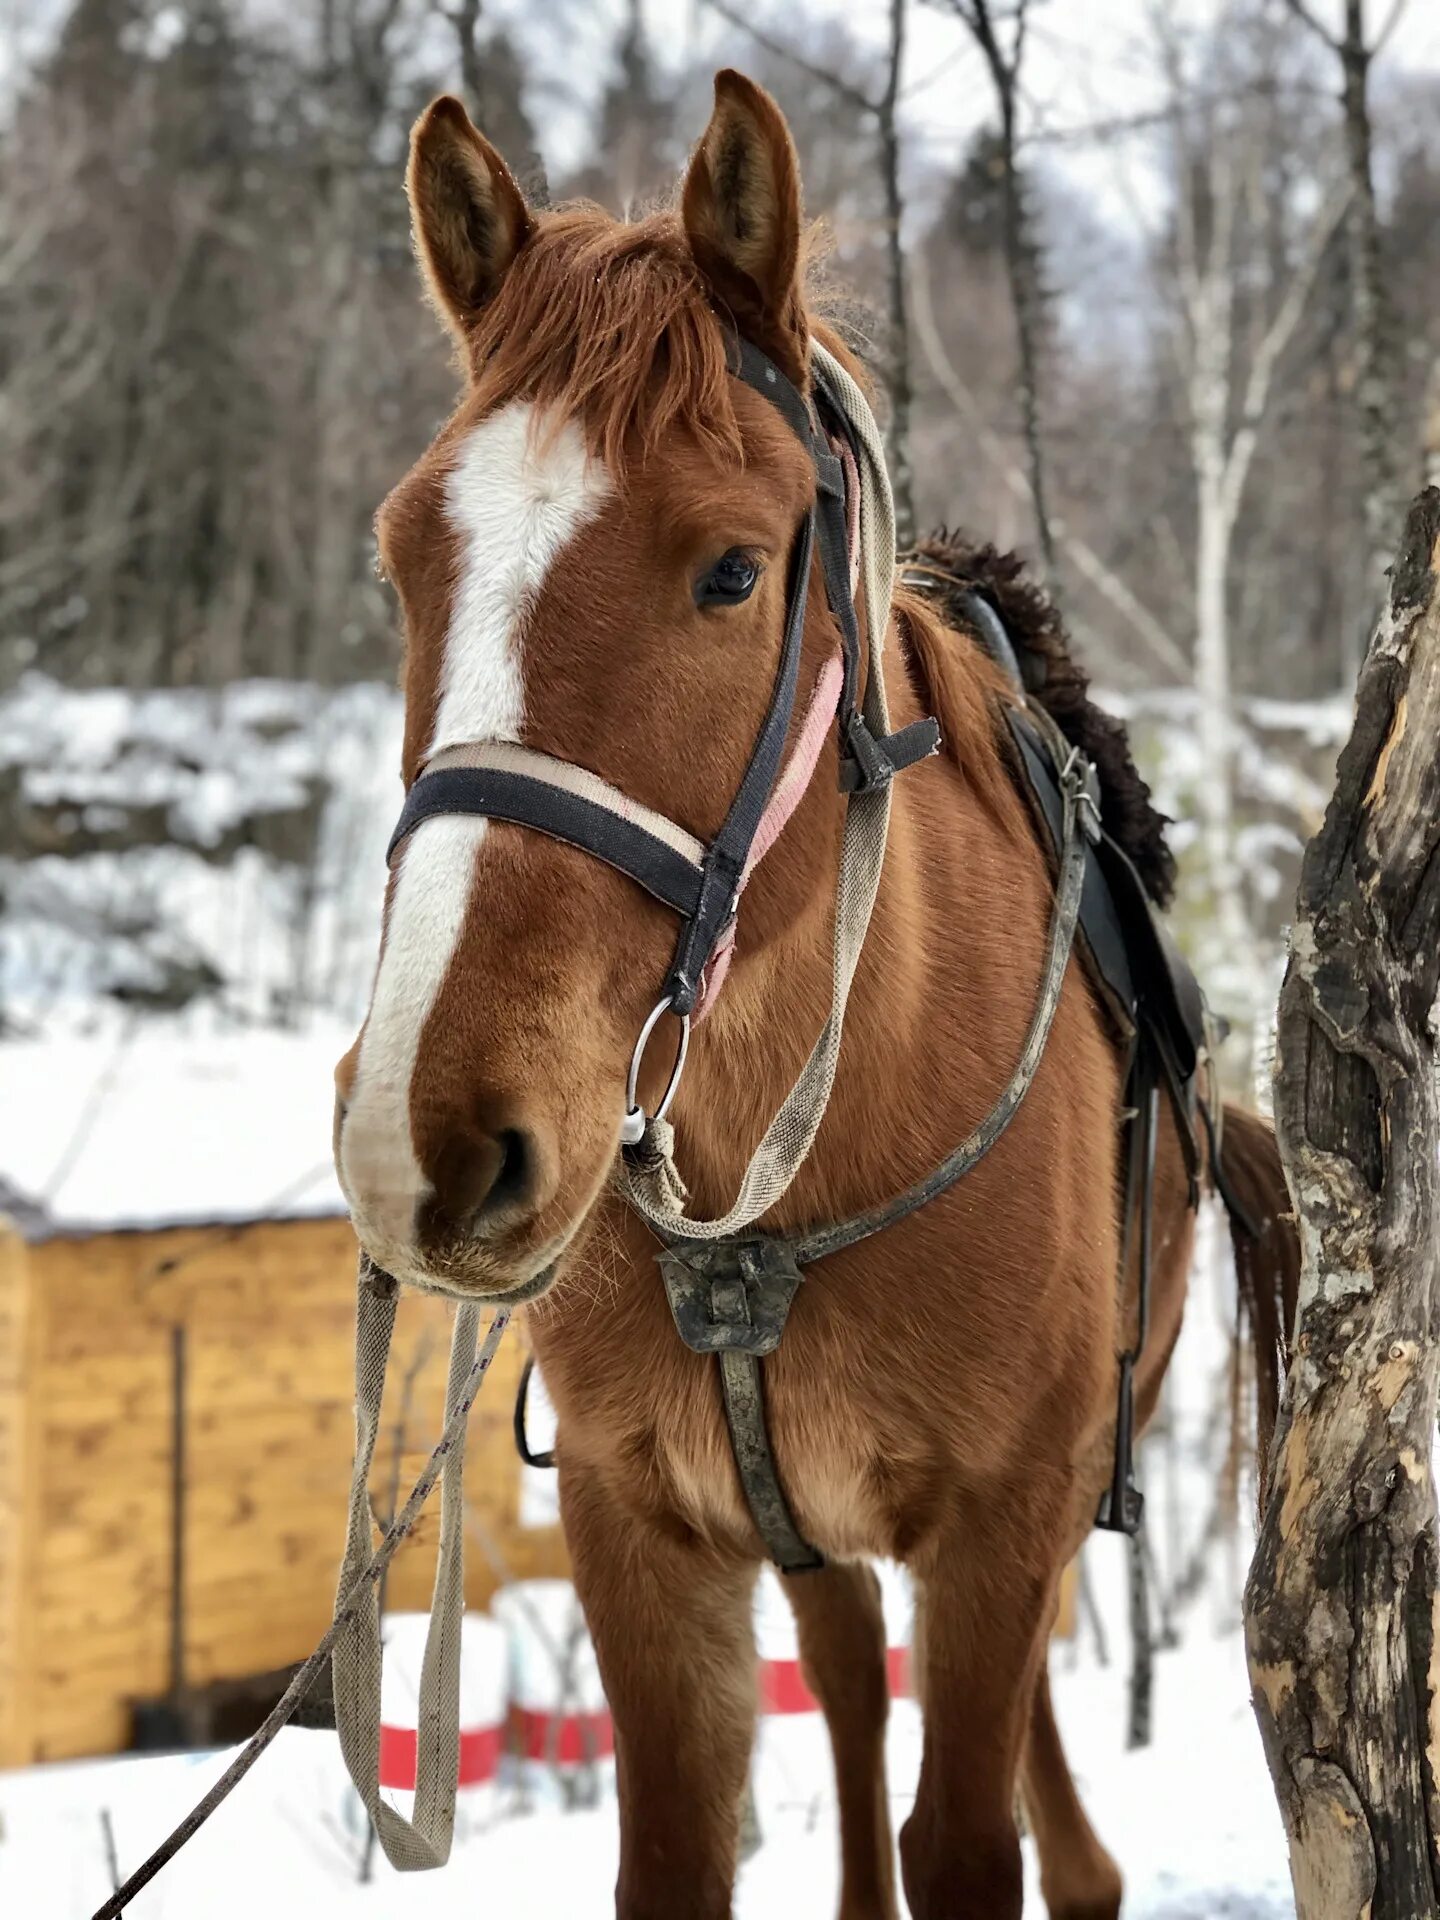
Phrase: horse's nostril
x=474 y=1178
x=512 y=1180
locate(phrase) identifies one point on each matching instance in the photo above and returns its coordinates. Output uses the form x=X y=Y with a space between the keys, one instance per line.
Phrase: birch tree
x=1229 y=352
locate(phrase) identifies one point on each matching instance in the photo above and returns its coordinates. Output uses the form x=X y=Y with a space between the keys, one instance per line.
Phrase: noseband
x=500 y=780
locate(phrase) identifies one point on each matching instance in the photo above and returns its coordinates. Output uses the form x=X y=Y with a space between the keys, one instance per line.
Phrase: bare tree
x=490 y=77
x=1157 y=642
x=1341 y=1600
x=884 y=114
x=1376 y=329
x=1022 y=251
x=1229 y=352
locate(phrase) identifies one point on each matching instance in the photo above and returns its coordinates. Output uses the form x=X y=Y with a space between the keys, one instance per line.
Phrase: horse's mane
x=612 y=324
x=1057 y=681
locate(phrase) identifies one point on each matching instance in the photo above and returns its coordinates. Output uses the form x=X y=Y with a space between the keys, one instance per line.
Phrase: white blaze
x=515 y=496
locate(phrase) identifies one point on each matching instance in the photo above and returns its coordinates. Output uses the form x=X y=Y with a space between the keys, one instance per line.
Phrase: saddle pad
x=1133 y=957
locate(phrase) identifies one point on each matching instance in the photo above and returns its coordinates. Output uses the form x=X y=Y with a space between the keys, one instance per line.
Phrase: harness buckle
x=1080 y=780
x=730 y=1296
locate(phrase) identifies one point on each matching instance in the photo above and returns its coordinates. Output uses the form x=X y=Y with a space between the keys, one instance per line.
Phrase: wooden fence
x=182 y=1399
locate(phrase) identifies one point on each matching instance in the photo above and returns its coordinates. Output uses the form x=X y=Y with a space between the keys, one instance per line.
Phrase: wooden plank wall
x=85 y=1499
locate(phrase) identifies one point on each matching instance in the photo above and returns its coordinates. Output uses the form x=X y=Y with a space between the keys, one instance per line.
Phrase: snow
x=173 y=848
x=191 y=886
x=161 y=1124
x=1191 y=1820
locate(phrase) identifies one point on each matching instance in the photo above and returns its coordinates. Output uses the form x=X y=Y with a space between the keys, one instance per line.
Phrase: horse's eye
x=731 y=580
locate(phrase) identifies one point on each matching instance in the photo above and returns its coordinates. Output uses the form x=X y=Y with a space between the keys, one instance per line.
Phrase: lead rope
x=358 y=1597
x=648 y=1174
x=423 y=1841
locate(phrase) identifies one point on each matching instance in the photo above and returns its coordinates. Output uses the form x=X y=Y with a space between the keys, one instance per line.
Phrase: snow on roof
x=164 y=1125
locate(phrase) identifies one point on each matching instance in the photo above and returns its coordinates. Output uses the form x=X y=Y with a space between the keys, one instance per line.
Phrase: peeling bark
x=1340 y=1603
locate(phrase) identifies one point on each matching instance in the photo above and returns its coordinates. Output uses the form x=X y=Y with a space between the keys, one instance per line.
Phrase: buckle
x=730 y=1296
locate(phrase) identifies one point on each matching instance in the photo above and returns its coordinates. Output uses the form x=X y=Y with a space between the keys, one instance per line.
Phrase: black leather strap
x=727 y=853
x=874 y=762
x=744 y=1395
x=528 y=802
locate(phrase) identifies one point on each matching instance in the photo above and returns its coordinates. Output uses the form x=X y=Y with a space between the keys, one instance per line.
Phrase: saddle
x=1129 y=953
x=1153 y=998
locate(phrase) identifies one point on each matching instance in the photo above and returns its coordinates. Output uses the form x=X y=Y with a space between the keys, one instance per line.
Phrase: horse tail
x=1250 y=1180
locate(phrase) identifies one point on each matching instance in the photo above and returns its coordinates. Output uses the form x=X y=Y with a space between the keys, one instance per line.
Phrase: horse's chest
x=828 y=1455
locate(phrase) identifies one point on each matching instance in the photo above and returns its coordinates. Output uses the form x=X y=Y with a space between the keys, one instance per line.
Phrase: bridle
x=701 y=883
x=730 y=1288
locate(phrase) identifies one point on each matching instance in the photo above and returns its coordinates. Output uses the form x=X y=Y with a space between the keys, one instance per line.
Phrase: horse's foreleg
x=985 y=1599
x=1079 y=1879
x=672 y=1631
x=842 y=1653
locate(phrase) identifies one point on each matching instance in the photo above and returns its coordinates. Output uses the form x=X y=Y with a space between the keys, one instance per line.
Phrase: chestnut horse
x=592 y=562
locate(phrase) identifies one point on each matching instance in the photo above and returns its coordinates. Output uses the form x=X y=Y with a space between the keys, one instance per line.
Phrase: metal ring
x=635 y=1121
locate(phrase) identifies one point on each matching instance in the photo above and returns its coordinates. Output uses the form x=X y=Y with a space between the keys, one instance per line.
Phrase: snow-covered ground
x=1191 y=1820
x=222 y=856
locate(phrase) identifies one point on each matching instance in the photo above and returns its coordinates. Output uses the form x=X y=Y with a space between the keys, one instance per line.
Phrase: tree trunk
x=1022 y=260
x=1340 y=1602
x=901 y=465
x=1374 y=312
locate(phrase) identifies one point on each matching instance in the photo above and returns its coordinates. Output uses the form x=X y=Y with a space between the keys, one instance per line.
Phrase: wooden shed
x=175 y=1441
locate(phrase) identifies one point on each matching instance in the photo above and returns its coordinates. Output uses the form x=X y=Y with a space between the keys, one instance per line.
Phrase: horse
x=593 y=561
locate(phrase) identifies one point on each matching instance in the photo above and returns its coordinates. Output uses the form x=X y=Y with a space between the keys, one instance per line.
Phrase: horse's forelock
x=610 y=325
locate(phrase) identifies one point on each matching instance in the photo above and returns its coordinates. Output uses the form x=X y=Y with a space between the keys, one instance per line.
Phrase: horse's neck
x=929 y=1001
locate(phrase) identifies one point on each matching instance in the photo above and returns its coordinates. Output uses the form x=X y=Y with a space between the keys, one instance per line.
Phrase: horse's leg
x=1079 y=1879
x=986 y=1595
x=671 y=1625
x=842 y=1653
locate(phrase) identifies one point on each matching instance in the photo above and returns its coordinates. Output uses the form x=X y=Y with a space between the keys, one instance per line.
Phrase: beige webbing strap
x=424 y=1841
x=650 y=1178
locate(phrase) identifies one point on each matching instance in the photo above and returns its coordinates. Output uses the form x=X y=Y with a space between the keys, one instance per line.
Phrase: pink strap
x=789 y=791
x=800 y=767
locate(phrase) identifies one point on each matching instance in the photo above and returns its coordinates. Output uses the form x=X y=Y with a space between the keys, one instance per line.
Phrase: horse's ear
x=741 y=208
x=468 y=216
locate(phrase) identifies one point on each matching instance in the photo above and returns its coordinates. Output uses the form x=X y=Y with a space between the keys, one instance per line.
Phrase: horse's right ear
x=468 y=216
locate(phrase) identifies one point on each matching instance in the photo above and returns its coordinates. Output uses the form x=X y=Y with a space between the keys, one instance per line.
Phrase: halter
x=499 y=780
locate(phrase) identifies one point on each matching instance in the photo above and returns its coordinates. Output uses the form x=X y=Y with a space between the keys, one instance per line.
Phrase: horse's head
x=592 y=562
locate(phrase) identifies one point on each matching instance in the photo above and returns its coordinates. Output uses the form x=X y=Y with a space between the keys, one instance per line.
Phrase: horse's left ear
x=468 y=216
x=741 y=208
